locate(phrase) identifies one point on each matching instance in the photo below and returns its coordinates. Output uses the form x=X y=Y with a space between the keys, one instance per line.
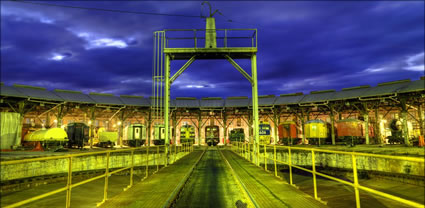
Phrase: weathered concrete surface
x=82 y=163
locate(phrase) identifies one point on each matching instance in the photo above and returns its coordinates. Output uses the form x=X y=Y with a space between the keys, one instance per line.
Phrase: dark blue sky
x=303 y=46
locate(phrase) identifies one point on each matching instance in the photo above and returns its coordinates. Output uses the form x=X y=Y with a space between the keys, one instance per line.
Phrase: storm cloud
x=302 y=46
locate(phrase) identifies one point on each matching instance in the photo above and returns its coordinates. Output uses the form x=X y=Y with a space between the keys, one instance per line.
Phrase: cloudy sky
x=302 y=46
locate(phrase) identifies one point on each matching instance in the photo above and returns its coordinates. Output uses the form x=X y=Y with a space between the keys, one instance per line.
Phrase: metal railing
x=158 y=152
x=246 y=150
x=225 y=37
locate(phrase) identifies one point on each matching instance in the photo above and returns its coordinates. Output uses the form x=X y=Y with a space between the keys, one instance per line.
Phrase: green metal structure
x=165 y=52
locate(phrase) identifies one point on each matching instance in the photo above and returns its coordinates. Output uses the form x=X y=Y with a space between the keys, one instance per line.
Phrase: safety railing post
x=69 y=183
x=225 y=38
x=274 y=159
x=265 y=157
x=175 y=152
x=105 y=188
x=313 y=164
x=356 y=180
x=157 y=161
x=194 y=34
x=131 y=169
x=249 y=152
x=290 y=165
x=147 y=162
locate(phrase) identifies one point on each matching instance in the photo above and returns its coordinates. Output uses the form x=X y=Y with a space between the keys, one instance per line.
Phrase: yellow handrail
x=354 y=155
x=187 y=148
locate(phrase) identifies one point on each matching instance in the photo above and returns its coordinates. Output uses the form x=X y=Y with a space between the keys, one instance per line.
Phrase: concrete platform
x=154 y=191
x=266 y=189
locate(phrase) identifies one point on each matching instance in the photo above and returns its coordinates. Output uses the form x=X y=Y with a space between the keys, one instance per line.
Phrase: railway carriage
x=237 y=135
x=288 y=133
x=317 y=131
x=135 y=135
x=78 y=134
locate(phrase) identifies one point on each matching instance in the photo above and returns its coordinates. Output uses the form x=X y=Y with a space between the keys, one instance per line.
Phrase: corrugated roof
x=104 y=98
x=211 y=102
x=37 y=92
x=73 y=96
x=415 y=86
x=236 y=102
x=350 y=93
x=135 y=100
x=288 y=99
x=11 y=91
x=318 y=96
x=187 y=102
x=386 y=88
x=264 y=100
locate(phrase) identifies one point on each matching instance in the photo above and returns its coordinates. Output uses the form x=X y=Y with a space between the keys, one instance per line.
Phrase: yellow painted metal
x=18 y=204
x=105 y=188
x=265 y=158
x=52 y=134
x=290 y=166
x=147 y=162
x=356 y=181
x=412 y=159
x=157 y=161
x=313 y=164
x=355 y=184
x=68 y=184
x=132 y=169
x=274 y=160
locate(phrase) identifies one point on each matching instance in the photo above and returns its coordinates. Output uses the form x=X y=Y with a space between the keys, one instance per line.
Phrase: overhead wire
x=104 y=10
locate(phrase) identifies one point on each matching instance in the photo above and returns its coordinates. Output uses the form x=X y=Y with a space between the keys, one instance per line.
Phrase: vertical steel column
x=290 y=165
x=356 y=181
x=255 y=105
x=157 y=155
x=147 y=162
x=167 y=103
x=313 y=164
x=68 y=191
x=265 y=157
x=132 y=169
x=274 y=159
x=105 y=188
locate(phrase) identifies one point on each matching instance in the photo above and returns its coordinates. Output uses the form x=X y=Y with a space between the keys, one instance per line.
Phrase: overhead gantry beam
x=246 y=75
x=181 y=70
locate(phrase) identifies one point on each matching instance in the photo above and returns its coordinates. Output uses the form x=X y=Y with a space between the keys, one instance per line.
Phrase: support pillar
x=405 y=128
x=421 y=119
x=255 y=104
x=167 y=103
x=225 y=127
x=366 y=121
x=332 y=115
x=199 y=127
x=377 y=129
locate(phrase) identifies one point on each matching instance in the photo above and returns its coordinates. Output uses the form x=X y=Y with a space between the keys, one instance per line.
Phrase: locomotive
x=47 y=137
x=317 y=131
x=135 y=135
x=397 y=132
x=288 y=133
x=187 y=134
x=264 y=132
x=237 y=135
x=212 y=135
x=78 y=134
